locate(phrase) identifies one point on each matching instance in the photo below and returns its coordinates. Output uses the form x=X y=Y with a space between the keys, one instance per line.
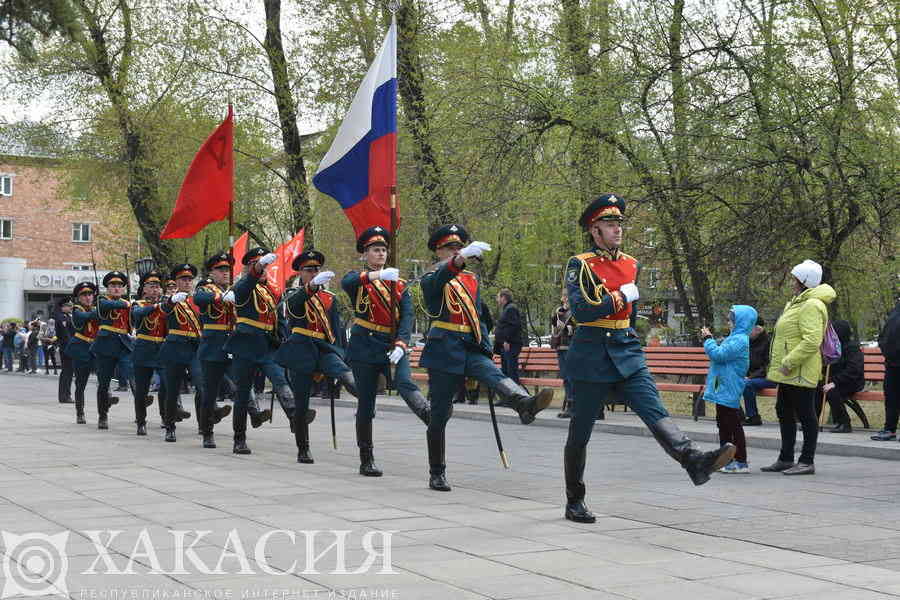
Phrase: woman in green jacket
x=796 y=366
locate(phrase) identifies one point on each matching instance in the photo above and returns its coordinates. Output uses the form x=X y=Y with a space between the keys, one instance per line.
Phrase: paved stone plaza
x=498 y=534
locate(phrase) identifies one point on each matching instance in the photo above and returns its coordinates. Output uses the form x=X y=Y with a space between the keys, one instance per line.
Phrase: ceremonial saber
x=330 y=382
x=503 y=458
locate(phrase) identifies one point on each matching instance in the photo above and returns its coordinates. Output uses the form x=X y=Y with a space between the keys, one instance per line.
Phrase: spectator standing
x=34 y=340
x=728 y=364
x=889 y=342
x=8 y=346
x=48 y=342
x=508 y=335
x=562 y=328
x=796 y=366
x=847 y=377
x=756 y=376
x=65 y=330
x=21 y=344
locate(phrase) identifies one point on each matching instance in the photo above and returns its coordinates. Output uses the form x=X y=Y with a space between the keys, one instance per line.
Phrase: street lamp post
x=144 y=266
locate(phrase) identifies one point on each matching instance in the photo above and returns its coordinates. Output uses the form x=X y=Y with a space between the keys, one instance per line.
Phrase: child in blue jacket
x=728 y=364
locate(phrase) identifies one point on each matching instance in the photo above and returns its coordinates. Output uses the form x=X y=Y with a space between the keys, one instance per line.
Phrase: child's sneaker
x=736 y=467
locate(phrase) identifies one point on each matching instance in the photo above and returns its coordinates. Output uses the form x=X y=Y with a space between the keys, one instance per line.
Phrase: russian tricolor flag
x=360 y=168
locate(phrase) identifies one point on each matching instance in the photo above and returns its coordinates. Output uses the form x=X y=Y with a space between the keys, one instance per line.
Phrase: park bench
x=675 y=369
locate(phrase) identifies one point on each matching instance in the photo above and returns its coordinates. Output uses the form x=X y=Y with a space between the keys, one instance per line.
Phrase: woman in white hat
x=796 y=366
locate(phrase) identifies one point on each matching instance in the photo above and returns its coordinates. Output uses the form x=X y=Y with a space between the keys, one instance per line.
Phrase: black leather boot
x=257 y=417
x=573 y=464
x=148 y=400
x=367 y=465
x=239 y=420
x=221 y=412
x=181 y=414
x=170 y=433
x=697 y=463
x=301 y=435
x=79 y=408
x=141 y=429
x=285 y=397
x=436 y=466
x=346 y=379
x=418 y=405
x=516 y=397
x=102 y=411
x=205 y=419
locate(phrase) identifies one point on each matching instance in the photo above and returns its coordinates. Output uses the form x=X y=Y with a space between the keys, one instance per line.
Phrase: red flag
x=208 y=188
x=280 y=271
x=238 y=251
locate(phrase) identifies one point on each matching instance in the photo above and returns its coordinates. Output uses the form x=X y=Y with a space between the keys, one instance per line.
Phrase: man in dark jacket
x=508 y=335
x=65 y=329
x=889 y=342
x=756 y=374
x=846 y=376
x=8 y=347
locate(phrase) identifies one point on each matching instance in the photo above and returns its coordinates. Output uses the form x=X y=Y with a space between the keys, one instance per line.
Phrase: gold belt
x=452 y=326
x=184 y=333
x=371 y=325
x=84 y=338
x=608 y=323
x=215 y=327
x=257 y=324
x=309 y=332
x=149 y=338
x=114 y=329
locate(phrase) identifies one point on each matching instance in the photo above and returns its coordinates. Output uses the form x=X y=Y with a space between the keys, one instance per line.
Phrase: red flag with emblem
x=208 y=188
x=280 y=271
x=238 y=251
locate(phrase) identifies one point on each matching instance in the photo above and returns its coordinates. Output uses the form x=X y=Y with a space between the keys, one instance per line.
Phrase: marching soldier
x=179 y=350
x=457 y=343
x=150 y=327
x=113 y=345
x=253 y=344
x=313 y=347
x=605 y=351
x=379 y=339
x=86 y=322
x=217 y=318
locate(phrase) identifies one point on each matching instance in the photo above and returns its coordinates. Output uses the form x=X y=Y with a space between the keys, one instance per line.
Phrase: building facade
x=48 y=243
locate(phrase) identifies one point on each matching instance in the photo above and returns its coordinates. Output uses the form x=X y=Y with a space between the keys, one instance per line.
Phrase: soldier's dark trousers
x=244 y=369
x=142 y=378
x=301 y=383
x=640 y=394
x=366 y=376
x=65 y=378
x=106 y=368
x=213 y=376
x=443 y=386
x=82 y=373
x=174 y=373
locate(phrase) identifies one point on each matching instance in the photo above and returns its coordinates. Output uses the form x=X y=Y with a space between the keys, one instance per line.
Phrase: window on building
x=81 y=232
x=5 y=229
x=81 y=267
x=6 y=185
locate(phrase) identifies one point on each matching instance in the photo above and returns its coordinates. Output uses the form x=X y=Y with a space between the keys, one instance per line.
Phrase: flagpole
x=231 y=224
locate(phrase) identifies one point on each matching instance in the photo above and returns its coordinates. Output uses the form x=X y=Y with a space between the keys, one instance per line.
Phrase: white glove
x=475 y=249
x=630 y=291
x=396 y=354
x=228 y=297
x=268 y=259
x=179 y=297
x=389 y=274
x=322 y=278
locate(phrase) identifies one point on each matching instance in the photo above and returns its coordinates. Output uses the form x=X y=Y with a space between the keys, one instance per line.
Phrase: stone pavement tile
x=608 y=576
x=772 y=585
x=854 y=574
x=463 y=569
x=259 y=585
x=409 y=524
x=516 y=505
x=679 y=590
x=781 y=559
x=367 y=580
x=858 y=533
x=519 y=586
x=551 y=562
x=892 y=563
x=376 y=513
x=844 y=593
x=432 y=590
x=696 y=568
x=495 y=545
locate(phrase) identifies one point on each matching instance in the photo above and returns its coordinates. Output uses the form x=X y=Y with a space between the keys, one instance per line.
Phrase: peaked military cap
x=308 y=258
x=185 y=270
x=448 y=234
x=253 y=255
x=221 y=259
x=82 y=287
x=153 y=276
x=114 y=277
x=372 y=236
x=607 y=207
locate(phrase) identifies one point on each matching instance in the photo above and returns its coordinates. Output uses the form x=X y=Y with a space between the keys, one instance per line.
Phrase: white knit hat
x=809 y=273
